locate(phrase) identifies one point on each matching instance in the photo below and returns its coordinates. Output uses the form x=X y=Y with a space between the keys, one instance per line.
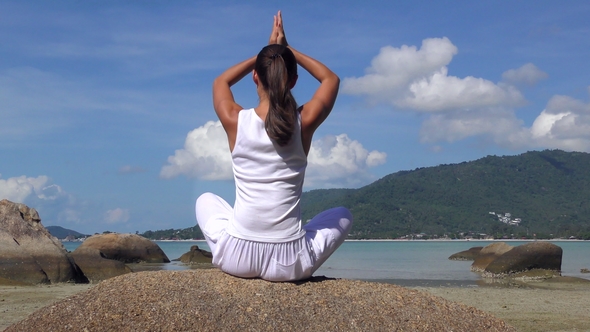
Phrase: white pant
x=288 y=261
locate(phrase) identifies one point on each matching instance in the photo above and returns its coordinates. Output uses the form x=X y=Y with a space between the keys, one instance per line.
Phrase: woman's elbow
x=337 y=79
x=334 y=79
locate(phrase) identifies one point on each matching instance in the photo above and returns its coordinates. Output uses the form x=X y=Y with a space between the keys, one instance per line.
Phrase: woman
x=262 y=236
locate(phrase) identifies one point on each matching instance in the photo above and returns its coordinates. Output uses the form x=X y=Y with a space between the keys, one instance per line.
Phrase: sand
x=563 y=307
x=529 y=309
x=18 y=302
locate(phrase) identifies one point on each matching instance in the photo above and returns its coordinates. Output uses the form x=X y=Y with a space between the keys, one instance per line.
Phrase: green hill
x=174 y=234
x=548 y=190
x=61 y=233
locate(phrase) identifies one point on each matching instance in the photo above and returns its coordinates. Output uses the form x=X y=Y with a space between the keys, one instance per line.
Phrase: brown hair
x=276 y=67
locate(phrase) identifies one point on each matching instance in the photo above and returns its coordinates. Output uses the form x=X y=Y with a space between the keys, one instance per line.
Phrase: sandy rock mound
x=209 y=300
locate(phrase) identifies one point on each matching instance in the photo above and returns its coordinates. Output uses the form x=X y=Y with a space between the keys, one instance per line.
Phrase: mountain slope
x=61 y=233
x=548 y=190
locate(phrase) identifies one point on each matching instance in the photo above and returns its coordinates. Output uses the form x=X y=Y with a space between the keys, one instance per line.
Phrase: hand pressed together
x=277 y=36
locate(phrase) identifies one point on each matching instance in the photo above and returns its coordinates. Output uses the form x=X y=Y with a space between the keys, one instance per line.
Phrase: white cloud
x=117 y=215
x=205 y=155
x=528 y=74
x=393 y=69
x=332 y=160
x=544 y=122
x=498 y=123
x=22 y=188
x=55 y=206
x=53 y=203
x=418 y=80
x=340 y=161
x=563 y=124
x=440 y=92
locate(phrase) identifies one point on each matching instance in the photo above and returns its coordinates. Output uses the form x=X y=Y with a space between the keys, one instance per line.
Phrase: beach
x=18 y=302
x=528 y=310
x=419 y=265
x=563 y=307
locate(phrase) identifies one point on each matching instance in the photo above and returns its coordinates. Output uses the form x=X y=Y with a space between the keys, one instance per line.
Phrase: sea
x=407 y=263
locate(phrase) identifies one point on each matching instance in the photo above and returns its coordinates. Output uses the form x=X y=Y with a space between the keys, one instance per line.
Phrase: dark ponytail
x=277 y=68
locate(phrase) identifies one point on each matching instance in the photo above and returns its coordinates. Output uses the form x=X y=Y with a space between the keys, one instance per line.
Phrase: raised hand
x=277 y=36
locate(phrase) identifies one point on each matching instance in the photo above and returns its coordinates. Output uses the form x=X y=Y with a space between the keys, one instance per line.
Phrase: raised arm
x=223 y=99
x=315 y=111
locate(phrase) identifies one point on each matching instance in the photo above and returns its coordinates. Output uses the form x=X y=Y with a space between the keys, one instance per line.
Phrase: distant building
x=506 y=218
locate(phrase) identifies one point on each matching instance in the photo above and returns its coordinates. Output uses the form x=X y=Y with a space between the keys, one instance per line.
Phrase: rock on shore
x=104 y=256
x=126 y=248
x=466 y=255
x=96 y=267
x=28 y=253
x=209 y=300
x=533 y=260
x=488 y=254
x=534 y=255
x=196 y=256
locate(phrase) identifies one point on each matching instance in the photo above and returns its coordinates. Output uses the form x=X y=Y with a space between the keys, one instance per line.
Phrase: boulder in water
x=126 y=248
x=488 y=254
x=540 y=255
x=466 y=255
x=196 y=256
x=96 y=267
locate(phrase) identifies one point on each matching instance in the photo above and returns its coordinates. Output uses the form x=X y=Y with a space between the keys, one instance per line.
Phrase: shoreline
x=455 y=240
x=400 y=240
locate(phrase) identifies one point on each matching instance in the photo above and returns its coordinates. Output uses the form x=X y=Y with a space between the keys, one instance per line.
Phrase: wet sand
x=527 y=309
x=553 y=307
x=18 y=302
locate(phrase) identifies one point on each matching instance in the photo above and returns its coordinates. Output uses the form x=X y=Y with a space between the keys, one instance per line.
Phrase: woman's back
x=262 y=235
x=269 y=181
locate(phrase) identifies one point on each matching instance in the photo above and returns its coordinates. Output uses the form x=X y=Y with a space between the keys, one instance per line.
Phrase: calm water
x=401 y=260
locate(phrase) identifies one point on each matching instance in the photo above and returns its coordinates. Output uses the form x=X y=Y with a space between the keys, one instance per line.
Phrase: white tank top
x=269 y=182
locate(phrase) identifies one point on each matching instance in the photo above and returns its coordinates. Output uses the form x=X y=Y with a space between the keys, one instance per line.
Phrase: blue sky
x=106 y=120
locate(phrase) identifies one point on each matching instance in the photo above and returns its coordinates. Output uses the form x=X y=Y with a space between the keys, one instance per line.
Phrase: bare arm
x=315 y=111
x=223 y=99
